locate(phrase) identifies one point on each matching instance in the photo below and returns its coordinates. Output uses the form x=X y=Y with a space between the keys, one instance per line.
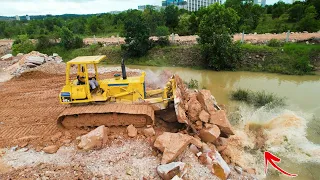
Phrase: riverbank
x=291 y=58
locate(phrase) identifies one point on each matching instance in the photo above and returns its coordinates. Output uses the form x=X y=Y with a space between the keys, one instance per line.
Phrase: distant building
x=17 y=18
x=190 y=5
x=143 y=7
x=260 y=2
x=28 y=17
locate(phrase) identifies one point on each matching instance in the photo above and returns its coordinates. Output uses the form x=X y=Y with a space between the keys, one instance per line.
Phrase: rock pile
x=206 y=122
x=21 y=62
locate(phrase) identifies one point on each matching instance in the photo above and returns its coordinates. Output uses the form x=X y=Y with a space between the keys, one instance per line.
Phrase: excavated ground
x=30 y=107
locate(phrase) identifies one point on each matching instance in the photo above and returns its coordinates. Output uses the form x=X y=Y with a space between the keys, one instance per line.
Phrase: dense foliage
x=280 y=17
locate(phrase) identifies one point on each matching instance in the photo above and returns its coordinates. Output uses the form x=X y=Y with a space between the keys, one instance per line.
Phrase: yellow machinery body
x=130 y=90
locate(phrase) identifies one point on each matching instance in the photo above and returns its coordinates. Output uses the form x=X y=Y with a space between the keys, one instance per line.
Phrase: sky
x=56 y=7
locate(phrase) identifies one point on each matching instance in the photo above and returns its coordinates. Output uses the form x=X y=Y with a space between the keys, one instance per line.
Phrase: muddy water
x=301 y=154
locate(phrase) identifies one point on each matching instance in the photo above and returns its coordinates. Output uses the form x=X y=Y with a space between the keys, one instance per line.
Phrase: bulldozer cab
x=79 y=86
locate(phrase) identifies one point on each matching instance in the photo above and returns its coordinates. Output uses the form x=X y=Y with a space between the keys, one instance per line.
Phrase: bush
x=162 y=31
x=274 y=43
x=69 y=41
x=22 y=45
x=192 y=84
x=43 y=42
x=258 y=99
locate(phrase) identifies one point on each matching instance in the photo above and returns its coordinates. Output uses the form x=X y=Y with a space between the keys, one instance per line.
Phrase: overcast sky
x=55 y=7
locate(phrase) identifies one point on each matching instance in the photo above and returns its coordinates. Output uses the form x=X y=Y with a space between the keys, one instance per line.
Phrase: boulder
x=206 y=100
x=95 y=139
x=220 y=119
x=204 y=116
x=30 y=65
x=34 y=60
x=51 y=149
x=172 y=145
x=7 y=57
x=168 y=171
x=210 y=134
x=149 y=132
x=194 y=149
x=132 y=131
x=194 y=109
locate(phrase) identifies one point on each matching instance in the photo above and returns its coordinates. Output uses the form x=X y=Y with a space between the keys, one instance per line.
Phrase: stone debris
x=95 y=139
x=22 y=63
x=148 y=132
x=171 y=170
x=132 y=131
x=214 y=161
x=51 y=149
x=172 y=145
x=7 y=57
x=207 y=100
x=210 y=134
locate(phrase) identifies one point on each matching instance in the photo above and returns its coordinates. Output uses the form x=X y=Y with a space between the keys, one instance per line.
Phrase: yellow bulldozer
x=117 y=101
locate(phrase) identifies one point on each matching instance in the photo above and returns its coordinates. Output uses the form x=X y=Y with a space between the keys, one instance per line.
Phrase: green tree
x=172 y=16
x=184 y=25
x=194 y=24
x=278 y=9
x=215 y=38
x=153 y=18
x=309 y=22
x=22 y=45
x=136 y=34
x=162 y=33
x=296 y=12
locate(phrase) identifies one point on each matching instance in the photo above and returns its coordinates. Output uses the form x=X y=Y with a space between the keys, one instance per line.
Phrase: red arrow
x=270 y=157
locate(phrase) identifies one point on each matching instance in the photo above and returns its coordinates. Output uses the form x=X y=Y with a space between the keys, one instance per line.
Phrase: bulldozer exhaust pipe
x=123 y=68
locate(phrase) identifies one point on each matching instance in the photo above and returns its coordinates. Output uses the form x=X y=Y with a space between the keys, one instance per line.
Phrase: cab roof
x=87 y=60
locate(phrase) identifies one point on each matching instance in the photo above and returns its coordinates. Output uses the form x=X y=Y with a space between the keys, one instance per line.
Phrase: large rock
x=181 y=115
x=220 y=119
x=213 y=160
x=132 y=131
x=51 y=149
x=172 y=145
x=168 y=171
x=34 y=60
x=204 y=116
x=95 y=139
x=194 y=109
x=206 y=100
x=210 y=134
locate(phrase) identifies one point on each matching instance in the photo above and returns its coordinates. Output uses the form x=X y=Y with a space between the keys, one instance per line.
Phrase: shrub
x=258 y=99
x=43 y=42
x=69 y=41
x=22 y=45
x=274 y=43
x=192 y=84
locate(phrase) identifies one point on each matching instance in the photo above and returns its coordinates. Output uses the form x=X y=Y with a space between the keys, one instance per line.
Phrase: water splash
x=284 y=134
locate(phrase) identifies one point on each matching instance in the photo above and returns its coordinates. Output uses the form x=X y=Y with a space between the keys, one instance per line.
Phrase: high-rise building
x=260 y=2
x=143 y=7
x=195 y=5
x=28 y=17
x=17 y=18
x=263 y=3
x=190 y=5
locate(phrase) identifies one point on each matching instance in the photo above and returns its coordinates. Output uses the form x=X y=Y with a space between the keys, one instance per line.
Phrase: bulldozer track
x=107 y=114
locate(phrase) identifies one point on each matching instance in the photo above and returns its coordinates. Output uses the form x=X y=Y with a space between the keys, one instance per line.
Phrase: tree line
x=299 y=16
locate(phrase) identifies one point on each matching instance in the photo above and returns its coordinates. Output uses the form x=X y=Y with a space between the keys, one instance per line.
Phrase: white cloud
x=42 y=7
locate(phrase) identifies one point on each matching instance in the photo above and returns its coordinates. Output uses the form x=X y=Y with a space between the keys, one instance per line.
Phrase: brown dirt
x=30 y=108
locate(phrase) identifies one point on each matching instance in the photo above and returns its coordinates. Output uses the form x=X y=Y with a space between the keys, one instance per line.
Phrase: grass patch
x=257 y=99
x=192 y=84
